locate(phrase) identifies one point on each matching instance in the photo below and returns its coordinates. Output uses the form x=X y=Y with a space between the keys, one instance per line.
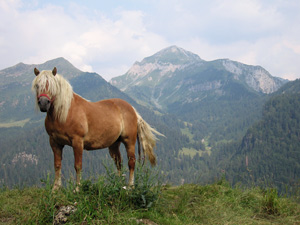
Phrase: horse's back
x=127 y=110
x=114 y=109
x=122 y=104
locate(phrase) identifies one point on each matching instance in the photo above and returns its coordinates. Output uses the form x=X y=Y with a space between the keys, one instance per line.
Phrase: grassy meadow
x=107 y=200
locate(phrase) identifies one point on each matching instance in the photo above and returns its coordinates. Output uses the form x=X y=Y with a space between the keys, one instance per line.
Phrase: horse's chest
x=59 y=137
x=58 y=133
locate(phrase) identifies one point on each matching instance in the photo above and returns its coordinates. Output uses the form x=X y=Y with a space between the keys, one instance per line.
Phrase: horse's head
x=41 y=85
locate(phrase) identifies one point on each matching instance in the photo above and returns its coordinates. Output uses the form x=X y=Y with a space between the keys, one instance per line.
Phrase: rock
x=63 y=213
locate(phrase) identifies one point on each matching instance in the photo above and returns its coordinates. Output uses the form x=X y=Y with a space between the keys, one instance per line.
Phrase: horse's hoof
x=76 y=190
x=129 y=187
x=55 y=189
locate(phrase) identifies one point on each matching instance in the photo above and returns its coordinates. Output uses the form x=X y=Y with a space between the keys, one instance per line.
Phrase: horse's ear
x=36 y=71
x=54 y=71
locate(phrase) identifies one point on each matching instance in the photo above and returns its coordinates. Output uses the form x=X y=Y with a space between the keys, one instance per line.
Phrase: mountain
x=152 y=69
x=247 y=119
x=269 y=152
x=215 y=94
x=175 y=75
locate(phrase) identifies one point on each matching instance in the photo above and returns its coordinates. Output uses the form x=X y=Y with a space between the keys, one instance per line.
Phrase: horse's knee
x=131 y=162
x=119 y=164
x=57 y=166
x=131 y=165
x=78 y=167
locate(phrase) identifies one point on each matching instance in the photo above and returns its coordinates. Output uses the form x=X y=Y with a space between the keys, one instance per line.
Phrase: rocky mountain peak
x=172 y=55
x=255 y=77
x=153 y=68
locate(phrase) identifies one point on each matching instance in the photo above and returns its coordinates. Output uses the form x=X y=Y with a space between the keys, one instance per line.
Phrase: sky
x=108 y=37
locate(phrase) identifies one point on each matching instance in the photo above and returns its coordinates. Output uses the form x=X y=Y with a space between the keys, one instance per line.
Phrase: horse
x=84 y=125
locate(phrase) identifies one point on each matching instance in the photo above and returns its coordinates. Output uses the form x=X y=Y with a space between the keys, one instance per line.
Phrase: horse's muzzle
x=44 y=104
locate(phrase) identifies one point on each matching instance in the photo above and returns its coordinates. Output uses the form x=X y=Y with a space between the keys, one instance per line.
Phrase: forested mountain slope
x=269 y=153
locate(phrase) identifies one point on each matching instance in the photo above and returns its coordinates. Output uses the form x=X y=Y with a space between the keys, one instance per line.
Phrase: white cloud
x=90 y=43
x=253 y=32
x=109 y=42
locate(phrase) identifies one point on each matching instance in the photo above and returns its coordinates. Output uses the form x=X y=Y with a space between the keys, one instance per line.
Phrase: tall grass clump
x=47 y=204
x=270 y=201
x=103 y=199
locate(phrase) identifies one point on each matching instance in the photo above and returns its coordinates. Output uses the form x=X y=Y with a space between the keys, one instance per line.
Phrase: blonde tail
x=147 y=138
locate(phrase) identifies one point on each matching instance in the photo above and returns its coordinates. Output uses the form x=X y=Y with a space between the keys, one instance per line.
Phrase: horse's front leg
x=77 y=145
x=57 y=152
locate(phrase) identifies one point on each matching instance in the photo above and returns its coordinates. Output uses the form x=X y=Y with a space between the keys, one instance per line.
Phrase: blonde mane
x=58 y=89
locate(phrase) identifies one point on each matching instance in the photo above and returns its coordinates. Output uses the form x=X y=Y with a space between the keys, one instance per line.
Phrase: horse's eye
x=37 y=86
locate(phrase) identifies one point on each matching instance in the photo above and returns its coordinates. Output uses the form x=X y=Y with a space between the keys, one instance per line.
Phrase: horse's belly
x=94 y=145
x=100 y=141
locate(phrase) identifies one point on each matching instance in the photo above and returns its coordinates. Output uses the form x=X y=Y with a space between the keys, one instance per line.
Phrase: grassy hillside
x=108 y=201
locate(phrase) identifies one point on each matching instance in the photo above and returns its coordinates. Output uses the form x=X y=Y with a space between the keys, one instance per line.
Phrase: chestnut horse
x=72 y=120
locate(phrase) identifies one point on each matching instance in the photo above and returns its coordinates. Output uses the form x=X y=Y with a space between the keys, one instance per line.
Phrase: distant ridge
x=16 y=102
x=22 y=73
x=64 y=67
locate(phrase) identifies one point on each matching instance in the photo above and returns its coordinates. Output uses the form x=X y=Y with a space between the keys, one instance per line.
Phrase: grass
x=189 y=151
x=106 y=201
x=186 y=131
x=192 y=152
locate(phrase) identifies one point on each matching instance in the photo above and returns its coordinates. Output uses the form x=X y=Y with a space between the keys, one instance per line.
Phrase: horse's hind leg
x=114 y=151
x=130 y=148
